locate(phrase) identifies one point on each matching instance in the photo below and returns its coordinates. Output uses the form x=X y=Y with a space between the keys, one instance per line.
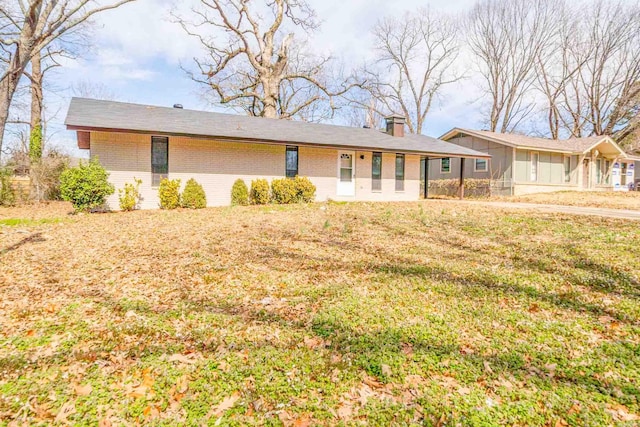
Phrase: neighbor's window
x=607 y=171
x=376 y=172
x=292 y=161
x=535 y=158
x=567 y=169
x=445 y=165
x=399 y=172
x=159 y=159
x=598 y=171
x=481 y=165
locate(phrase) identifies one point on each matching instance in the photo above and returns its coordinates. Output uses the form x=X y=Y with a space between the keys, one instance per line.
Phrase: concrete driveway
x=572 y=210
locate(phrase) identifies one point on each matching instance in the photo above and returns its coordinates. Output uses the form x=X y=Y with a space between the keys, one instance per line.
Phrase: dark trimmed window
x=292 y=161
x=376 y=172
x=399 y=172
x=445 y=165
x=159 y=159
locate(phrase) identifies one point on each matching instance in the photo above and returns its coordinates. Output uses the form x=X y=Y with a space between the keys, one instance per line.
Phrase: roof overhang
x=84 y=129
x=457 y=131
x=607 y=140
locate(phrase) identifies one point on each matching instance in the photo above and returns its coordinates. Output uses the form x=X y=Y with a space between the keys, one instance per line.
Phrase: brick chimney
x=395 y=125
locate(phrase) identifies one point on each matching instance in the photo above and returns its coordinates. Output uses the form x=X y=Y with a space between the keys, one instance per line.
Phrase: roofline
x=455 y=131
x=609 y=139
x=276 y=142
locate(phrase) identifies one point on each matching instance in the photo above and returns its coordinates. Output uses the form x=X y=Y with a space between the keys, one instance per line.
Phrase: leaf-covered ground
x=426 y=313
x=597 y=199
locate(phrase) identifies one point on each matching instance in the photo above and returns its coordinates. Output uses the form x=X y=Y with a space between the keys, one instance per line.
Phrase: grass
x=609 y=199
x=384 y=314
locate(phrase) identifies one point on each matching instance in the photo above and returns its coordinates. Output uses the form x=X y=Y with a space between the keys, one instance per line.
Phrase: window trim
x=567 y=176
x=292 y=148
x=475 y=165
x=166 y=138
x=400 y=181
x=537 y=153
x=378 y=180
x=442 y=160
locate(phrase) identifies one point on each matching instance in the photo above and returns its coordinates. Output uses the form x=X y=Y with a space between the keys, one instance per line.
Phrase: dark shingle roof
x=94 y=114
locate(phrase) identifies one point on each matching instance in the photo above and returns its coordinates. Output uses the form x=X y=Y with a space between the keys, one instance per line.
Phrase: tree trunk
x=36 y=91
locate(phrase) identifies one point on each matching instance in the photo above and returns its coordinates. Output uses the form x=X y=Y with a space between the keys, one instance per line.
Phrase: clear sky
x=137 y=52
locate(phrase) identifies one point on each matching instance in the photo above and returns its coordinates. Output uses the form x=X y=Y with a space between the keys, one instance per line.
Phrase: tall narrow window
x=159 y=159
x=598 y=171
x=445 y=165
x=399 y=172
x=481 y=165
x=535 y=157
x=292 y=161
x=567 y=169
x=376 y=172
x=607 y=172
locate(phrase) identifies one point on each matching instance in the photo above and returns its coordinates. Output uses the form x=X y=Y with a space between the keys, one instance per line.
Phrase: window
x=159 y=159
x=445 y=165
x=481 y=165
x=376 y=172
x=567 y=169
x=346 y=167
x=607 y=171
x=399 y=172
x=535 y=157
x=598 y=171
x=292 y=161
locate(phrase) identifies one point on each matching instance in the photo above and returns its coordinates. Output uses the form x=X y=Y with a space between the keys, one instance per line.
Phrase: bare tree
x=507 y=38
x=415 y=60
x=27 y=28
x=260 y=68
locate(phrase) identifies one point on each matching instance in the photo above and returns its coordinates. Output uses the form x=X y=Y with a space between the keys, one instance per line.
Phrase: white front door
x=346 y=173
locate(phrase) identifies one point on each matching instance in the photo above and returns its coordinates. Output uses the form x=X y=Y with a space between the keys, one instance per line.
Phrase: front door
x=586 y=173
x=346 y=173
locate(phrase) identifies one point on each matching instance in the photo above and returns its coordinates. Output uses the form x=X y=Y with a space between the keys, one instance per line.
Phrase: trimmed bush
x=129 y=196
x=239 y=193
x=7 y=194
x=169 y=193
x=260 y=192
x=284 y=191
x=86 y=186
x=193 y=195
x=305 y=190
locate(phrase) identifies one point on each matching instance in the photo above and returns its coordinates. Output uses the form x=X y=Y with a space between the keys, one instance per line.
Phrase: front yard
x=427 y=313
x=596 y=199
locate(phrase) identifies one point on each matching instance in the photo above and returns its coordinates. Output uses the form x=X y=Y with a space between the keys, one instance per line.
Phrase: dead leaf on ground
x=65 y=412
x=224 y=405
x=181 y=358
x=83 y=390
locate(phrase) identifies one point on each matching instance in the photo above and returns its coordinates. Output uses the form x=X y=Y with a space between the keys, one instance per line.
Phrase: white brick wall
x=216 y=165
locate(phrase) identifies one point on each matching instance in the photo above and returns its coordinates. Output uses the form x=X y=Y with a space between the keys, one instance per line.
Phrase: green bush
x=305 y=190
x=169 y=193
x=260 y=192
x=239 y=193
x=193 y=195
x=86 y=186
x=7 y=194
x=129 y=196
x=284 y=191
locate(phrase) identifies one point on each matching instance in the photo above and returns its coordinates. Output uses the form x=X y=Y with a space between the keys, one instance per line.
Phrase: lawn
x=597 y=199
x=426 y=313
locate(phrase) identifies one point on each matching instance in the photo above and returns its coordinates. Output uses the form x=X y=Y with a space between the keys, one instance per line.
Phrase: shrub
x=239 y=193
x=284 y=191
x=86 y=186
x=193 y=195
x=169 y=193
x=260 y=192
x=45 y=176
x=305 y=190
x=129 y=196
x=7 y=194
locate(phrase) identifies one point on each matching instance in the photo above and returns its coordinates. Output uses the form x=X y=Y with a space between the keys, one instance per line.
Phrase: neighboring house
x=522 y=164
x=345 y=163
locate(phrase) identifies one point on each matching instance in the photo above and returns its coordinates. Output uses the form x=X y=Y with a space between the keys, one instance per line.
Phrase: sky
x=136 y=55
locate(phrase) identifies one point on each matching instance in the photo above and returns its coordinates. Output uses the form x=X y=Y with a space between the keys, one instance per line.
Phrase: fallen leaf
x=83 y=390
x=345 y=411
x=561 y=423
x=65 y=411
x=181 y=358
x=487 y=367
x=227 y=403
x=386 y=370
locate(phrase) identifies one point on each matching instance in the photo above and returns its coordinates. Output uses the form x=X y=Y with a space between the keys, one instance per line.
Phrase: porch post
x=426 y=178
x=461 y=185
